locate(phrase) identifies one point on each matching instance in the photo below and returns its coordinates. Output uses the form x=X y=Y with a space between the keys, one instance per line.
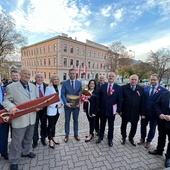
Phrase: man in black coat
x=132 y=107
x=162 y=108
x=41 y=114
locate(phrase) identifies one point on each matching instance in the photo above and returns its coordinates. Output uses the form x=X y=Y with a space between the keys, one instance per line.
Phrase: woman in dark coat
x=90 y=106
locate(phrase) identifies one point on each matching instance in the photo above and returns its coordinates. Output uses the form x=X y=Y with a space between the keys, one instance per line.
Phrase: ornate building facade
x=58 y=54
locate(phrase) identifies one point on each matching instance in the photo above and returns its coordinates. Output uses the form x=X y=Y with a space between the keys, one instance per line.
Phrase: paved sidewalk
x=78 y=155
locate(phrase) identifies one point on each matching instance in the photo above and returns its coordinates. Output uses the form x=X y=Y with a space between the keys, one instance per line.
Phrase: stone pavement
x=78 y=155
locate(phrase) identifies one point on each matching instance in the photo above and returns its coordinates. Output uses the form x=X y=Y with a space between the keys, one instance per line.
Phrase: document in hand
x=114 y=109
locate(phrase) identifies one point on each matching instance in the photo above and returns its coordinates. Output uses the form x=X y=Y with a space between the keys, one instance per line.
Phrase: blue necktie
x=27 y=89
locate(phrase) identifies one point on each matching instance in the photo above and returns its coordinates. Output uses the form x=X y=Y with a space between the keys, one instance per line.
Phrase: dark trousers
x=97 y=123
x=162 y=132
x=110 y=120
x=152 y=128
x=132 y=129
x=4 y=130
x=52 y=120
x=42 y=118
x=92 y=121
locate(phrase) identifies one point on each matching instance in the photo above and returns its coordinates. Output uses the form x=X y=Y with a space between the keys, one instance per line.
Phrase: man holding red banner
x=23 y=126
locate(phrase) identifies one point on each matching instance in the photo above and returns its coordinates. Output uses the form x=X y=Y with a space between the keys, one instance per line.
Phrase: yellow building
x=58 y=54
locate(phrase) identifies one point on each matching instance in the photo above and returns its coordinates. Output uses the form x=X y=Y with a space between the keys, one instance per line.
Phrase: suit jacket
x=3 y=90
x=150 y=100
x=67 y=89
x=162 y=106
x=51 y=109
x=93 y=104
x=16 y=94
x=106 y=102
x=133 y=103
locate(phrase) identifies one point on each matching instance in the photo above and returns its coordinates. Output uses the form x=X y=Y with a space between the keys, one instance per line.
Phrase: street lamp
x=132 y=52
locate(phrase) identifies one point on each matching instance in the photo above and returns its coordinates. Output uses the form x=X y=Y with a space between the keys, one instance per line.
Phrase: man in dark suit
x=4 y=128
x=71 y=87
x=162 y=109
x=132 y=107
x=99 y=84
x=152 y=92
x=41 y=114
x=110 y=102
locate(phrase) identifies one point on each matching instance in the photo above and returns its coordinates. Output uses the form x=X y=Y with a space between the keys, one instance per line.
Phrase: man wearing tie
x=41 y=114
x=132 y=107
x=110 y=96
x=23 y=126
x=71 y=87
x=152 y=92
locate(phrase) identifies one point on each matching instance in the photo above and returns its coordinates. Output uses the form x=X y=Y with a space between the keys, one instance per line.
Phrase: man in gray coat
x=22 y=127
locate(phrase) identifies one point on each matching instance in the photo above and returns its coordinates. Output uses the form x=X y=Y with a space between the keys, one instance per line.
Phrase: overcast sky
x=141 y=25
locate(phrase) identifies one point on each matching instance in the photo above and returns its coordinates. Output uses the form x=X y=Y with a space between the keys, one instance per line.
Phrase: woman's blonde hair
x=52 y=79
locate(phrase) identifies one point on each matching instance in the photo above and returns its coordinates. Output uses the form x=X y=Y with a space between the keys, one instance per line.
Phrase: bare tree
x=10 y=39
x=160 y=60
x=116 y=57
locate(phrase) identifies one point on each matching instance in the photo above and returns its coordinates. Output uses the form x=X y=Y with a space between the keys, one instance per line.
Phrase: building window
x=100 y=65
x=40 y=62
x=97 y=55
x=93 y=65
x=77 y=63
x=65 y=47
x=89 y=53
x=71 y=49
x=44 y=61
x=97 y=65
x=37 y=50
x=44 y=50
x=82 y=52
x=45 y=75
x=77 y=51
x=55 y=47
x=82 y=64
x=34 y=51
x=88 y=76
x=71 y=62
x=49 y=48
x=49 y=62
x=101 y=56
x=49 y=75
x=94 y=54
x=41 y=50
x=65 y=62
x=55 y=63
x=89 y=64
x=64 y=76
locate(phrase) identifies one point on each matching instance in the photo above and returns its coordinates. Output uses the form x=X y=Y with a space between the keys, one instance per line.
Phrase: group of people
x=105 y=100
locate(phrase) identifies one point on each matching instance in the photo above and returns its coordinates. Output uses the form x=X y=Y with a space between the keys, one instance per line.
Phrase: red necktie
x=109 y=90
x=40 y=92
x=72 y=85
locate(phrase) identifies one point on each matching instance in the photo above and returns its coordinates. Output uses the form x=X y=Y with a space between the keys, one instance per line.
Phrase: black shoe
x=34 y=145
x=132 y=141
x=5 y=156
x=99 y=140
x=110 y=143
x=167 y=162
x=51 y=146
x=43 y=141
x=56 y=143
x=30 y=155
x=88 y=139
x=123 y=141
x=155 y=152
x=14 y=167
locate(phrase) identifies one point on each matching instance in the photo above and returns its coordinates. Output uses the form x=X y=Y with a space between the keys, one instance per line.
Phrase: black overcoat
x=133 y=104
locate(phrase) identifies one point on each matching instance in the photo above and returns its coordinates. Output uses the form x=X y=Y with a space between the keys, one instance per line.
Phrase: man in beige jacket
x=22 y=127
